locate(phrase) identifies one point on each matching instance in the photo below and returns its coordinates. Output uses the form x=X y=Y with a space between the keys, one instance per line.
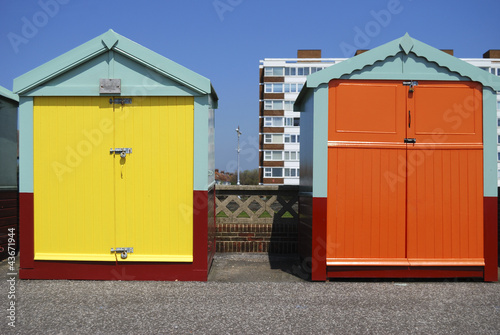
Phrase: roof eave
x=122 y=45
x=405 y=45
x=9 y=95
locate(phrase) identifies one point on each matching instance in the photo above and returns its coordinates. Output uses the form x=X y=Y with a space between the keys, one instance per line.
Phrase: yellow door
x=89 y=200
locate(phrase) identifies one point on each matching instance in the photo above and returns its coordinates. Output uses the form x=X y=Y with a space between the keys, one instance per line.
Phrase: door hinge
x=410 y=140
x=123 y=251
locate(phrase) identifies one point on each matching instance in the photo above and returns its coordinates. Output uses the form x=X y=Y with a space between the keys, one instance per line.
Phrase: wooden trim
x=367 y=262
x=394 y=145
x=380 y=145
x=404 y=272
x=404 y=262
x=446 y=262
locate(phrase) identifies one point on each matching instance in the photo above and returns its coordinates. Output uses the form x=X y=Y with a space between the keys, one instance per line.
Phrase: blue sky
x=224 y=40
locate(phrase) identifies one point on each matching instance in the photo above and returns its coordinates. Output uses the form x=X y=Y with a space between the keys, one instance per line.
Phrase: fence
x=254 y=218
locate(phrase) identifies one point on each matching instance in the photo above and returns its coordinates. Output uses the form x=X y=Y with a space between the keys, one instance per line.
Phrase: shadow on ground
x=261 y=267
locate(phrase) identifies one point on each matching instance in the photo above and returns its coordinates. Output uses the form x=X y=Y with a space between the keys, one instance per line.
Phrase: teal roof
x=111 y=41
x=8 y=94
x=406 y=48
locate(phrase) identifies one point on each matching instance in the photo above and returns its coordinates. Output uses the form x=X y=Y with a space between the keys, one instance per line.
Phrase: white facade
x=294 y=71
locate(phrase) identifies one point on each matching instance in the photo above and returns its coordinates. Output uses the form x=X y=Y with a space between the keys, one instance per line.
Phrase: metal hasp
x=410 y=140
x=123 y=251
x=411 y=83
x=121 y=101
x=122 y=151
x=110 y=86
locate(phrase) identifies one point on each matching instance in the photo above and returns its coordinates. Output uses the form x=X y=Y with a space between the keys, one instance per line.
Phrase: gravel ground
x=252 y=294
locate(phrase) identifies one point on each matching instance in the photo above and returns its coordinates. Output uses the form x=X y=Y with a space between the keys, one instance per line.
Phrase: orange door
x=445 y=174
x=397 y=203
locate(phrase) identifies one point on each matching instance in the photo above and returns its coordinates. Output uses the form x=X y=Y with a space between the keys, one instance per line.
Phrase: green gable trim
x=8 y=94
x=410 y=51
x=136 y=79
x=320 y=142
x=489 y=143
x=113 y=44
x=26 y=145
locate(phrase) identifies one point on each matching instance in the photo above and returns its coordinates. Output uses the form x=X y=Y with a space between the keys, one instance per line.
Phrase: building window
x=273 y=71
x=498 y=140
x=291 y=172
x=499 y=156
x=498 y=122
x=293 y=88
x=273 y=138
x=315 y=69
x=277 y=172
x=292 y=122
x=273 y=172
x=289 y=105
x=273 y=104
x=302 y=71
x=273 y=88
x=290 y=88
x=498 y=107
x=291 y=138
x=273 y=122
x=292 y=155
x=273 y=155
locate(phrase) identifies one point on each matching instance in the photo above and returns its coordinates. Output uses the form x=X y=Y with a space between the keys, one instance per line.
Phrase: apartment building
x=280 y=81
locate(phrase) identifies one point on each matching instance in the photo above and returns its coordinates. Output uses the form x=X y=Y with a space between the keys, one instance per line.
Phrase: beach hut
x=398 y=166
x=116 y=166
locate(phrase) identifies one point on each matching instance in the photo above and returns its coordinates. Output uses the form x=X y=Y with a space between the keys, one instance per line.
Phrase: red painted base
x=196 y=271
x=318 y=259
x=405 y=272
x=113 y=271
x=490 y=210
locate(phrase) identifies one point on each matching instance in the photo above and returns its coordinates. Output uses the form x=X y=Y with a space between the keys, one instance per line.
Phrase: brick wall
x=276 y=238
